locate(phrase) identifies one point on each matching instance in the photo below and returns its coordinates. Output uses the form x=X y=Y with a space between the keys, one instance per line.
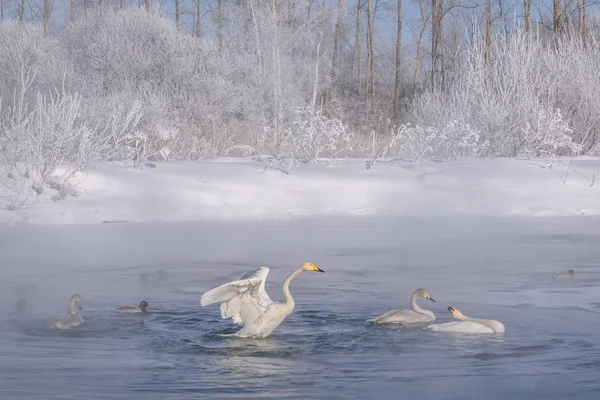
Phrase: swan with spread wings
x=247 y=303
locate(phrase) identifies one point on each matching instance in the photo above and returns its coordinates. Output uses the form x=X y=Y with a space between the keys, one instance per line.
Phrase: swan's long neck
x=72 y=307
x=416 y=308
x=496 y=326
x=289 y=300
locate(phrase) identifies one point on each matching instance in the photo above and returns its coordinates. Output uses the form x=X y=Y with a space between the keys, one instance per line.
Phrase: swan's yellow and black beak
x=316 y=269
x=451 y=309
x=428 y=297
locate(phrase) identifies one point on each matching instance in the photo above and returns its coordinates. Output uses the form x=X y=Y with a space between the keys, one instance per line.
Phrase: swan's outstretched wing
x=242 y=300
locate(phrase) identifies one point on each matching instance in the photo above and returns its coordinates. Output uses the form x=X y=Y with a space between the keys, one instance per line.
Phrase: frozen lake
x=496 y=268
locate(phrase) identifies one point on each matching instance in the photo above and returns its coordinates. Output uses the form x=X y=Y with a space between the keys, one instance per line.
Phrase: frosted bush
x=36 y=138
x=508 y=102
x=450 y=142
x=315 y=136
x=23 y=47
x=548 y=136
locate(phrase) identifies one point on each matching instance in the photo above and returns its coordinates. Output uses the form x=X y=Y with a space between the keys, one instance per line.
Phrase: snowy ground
x=233 y=189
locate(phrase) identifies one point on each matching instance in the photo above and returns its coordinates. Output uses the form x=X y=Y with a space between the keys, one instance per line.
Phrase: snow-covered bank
x=244 y=189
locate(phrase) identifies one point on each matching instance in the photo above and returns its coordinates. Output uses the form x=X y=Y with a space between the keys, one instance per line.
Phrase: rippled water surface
x=486 y=267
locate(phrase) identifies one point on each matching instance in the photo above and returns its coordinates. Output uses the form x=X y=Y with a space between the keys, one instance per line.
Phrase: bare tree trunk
x=358 y=55
x=557 y=17
x=581 y=18
x=258 y=45
x=177 y=15
x=277 y=79
x=247 y=16
x=326 y=90
x=527 y=12
x=147 y=4
x=308 y=8
x=437 y=38
x=47 y=10
x=488 y=31
x=198 y=31
x=220 y=24
x=434 y=43
x=22 y=12
x=419 y=51
x=313 y=103
x=336 y=42
x=371 y=61
x=72 y=11
x=398 y=80
x=440 y=40
x=292 y=14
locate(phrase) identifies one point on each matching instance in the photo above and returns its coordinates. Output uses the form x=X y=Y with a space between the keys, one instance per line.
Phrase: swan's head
x=76 y=300
x=455 y=313
x=308 y=266
x=424 y=293
x=144 y=304
x=571 y=271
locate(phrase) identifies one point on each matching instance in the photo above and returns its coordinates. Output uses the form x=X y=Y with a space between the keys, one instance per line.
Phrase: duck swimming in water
x=73 y=318
x=570 y=274
x=131 y=308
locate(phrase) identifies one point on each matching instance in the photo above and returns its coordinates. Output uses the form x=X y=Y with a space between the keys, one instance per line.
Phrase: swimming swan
x=407 y=316
x=247 y=303
x=468 y=325
x=73 y=318
x=131 y=308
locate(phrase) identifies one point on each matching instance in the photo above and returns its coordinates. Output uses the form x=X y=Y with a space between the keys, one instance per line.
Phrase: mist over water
x=496 y=268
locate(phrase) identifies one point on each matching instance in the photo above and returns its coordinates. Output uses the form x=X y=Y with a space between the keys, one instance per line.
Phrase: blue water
x=486 y=267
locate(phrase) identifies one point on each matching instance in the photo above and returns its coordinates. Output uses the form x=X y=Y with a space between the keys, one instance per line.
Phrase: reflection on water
x=325 y=349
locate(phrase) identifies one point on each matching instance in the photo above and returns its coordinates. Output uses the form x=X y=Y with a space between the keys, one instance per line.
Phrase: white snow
x=241 y=189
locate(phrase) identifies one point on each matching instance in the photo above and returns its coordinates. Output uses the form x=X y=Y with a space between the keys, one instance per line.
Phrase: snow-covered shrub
x=34 y=142
x=23 y=47
x=128 y=51
x=450 y=142
x=316 y=136
x=194 y=97
x=511 y=102
x=37 y=138
x=548 y=136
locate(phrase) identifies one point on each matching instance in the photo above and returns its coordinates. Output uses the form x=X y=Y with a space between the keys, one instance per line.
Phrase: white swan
x=73 y=318
x=247 y=303
x=407 y=316
x=570 y=274
x=468 y=325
